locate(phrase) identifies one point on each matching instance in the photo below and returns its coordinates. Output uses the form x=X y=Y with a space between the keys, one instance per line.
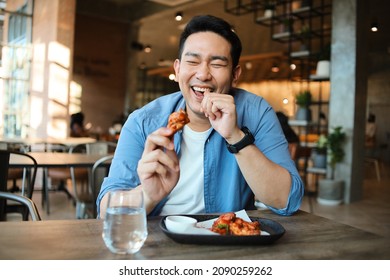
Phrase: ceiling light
x=179 y=16
x=374 y=25
x=147 y=49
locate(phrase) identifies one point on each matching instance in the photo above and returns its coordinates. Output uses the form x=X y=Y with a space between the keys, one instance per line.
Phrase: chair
x=14 y=174
x=58 y=175
x=28 y=181
x=84 y=192
x=97 y=178
x=32 y=208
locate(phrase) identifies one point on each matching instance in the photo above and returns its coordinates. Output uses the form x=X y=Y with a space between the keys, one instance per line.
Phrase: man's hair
x=213 y=24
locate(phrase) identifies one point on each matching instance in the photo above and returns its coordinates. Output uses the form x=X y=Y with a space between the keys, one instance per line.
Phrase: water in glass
x=124 y=228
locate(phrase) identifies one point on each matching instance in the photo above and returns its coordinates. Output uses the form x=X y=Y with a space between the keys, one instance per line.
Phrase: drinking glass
x=124 y=227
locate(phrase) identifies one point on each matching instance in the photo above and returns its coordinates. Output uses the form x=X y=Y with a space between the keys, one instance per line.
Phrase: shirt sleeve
x=123 y=170
x=271 y=141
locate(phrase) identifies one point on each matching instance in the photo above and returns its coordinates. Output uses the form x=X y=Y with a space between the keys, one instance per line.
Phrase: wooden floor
x=372 y=213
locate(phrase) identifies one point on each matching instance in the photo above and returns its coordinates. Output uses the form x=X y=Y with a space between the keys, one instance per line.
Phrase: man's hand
x=158 y=168
x=220 y=109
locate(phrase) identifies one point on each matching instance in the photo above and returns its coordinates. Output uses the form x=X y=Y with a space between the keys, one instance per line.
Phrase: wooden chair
x=27 y=187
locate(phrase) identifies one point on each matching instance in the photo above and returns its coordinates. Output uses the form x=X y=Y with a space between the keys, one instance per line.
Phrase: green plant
x=304 y=36
x=288 y=24
x=303 y=98
x=335 y=141
x=322 y=145
x=305 y=31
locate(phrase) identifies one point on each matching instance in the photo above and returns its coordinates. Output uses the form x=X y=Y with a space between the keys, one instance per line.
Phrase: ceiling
x=159 y=30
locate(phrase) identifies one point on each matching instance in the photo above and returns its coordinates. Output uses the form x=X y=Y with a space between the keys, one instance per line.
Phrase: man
x=232 y=150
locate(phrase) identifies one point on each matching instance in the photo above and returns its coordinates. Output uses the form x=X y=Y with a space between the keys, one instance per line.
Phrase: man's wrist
x=247 y=140
x=236 y=137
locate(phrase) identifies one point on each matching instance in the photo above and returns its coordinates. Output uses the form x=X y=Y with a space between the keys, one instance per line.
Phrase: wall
x=100 y=56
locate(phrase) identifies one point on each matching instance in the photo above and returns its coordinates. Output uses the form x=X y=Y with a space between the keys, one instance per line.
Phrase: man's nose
x=203 y=72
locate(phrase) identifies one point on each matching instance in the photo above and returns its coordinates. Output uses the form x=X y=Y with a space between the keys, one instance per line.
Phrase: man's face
x=205 y=64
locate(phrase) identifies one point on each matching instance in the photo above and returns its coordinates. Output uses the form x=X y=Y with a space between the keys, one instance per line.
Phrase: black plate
x=275 y=230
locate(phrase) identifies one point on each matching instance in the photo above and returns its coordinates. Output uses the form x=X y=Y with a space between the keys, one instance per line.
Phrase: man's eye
x=192 y=62
x=218 y=65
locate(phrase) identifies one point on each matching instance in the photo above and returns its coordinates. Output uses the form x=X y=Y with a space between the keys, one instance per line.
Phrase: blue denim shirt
x=225 y=188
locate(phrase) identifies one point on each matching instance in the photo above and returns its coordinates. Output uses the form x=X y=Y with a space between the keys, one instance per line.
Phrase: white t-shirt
x=188 y=195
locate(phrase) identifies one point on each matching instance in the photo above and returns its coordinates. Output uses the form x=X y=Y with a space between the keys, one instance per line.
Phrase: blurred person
x=370 y=130
x=77 y=128
x=291 y=137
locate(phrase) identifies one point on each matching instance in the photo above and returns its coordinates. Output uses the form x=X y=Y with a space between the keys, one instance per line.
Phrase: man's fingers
x=157 y=159
x=159 y=139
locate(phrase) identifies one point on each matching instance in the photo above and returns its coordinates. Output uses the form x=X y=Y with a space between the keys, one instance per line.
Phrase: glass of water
x=124 y=226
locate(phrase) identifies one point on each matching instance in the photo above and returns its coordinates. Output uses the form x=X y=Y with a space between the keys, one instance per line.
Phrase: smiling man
x=232 y=149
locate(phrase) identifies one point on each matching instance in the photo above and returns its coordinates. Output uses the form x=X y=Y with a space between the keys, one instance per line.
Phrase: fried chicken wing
x=221 y=225
x=177 y=120
x=229 y=224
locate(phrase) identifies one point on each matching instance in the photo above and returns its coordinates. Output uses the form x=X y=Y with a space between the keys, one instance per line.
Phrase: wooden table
x=307 y=237
x=51 y=159
x=69 y=141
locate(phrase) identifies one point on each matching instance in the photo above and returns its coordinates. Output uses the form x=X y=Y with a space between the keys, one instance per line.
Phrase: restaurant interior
x=106 y=58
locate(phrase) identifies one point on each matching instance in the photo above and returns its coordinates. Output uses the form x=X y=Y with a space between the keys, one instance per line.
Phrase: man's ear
x=176 y=66
x=236 y=75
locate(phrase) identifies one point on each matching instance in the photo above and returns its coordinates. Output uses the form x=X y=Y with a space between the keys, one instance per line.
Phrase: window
x=15 y=76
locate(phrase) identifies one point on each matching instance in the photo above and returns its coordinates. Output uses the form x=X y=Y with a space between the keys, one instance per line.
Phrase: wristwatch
x=247 y=140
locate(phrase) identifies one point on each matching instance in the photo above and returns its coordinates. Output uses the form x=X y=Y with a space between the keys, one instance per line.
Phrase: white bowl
x=180 y=224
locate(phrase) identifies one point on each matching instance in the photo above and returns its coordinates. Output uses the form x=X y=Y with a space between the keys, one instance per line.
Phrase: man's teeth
x=201 y=89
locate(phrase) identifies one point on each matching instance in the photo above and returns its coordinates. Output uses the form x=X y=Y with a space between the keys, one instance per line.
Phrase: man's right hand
x=158 y=168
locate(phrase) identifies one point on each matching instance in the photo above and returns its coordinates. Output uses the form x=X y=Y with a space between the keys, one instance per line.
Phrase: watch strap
x=248 y=139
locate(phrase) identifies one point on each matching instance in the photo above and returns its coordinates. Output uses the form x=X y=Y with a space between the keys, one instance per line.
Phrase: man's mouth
x=199 y=91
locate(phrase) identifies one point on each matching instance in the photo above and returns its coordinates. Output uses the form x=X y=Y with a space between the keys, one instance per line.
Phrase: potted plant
x=319 y=152
x=331 y=190
x=304 y=35
x=323 y=64
x=287 y=25
x=303 y=100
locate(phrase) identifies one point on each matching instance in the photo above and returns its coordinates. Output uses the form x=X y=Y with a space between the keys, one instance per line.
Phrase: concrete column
x=348 y=92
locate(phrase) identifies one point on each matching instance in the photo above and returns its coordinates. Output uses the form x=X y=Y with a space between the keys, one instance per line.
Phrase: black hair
x=289 y=133
x=213 y=24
